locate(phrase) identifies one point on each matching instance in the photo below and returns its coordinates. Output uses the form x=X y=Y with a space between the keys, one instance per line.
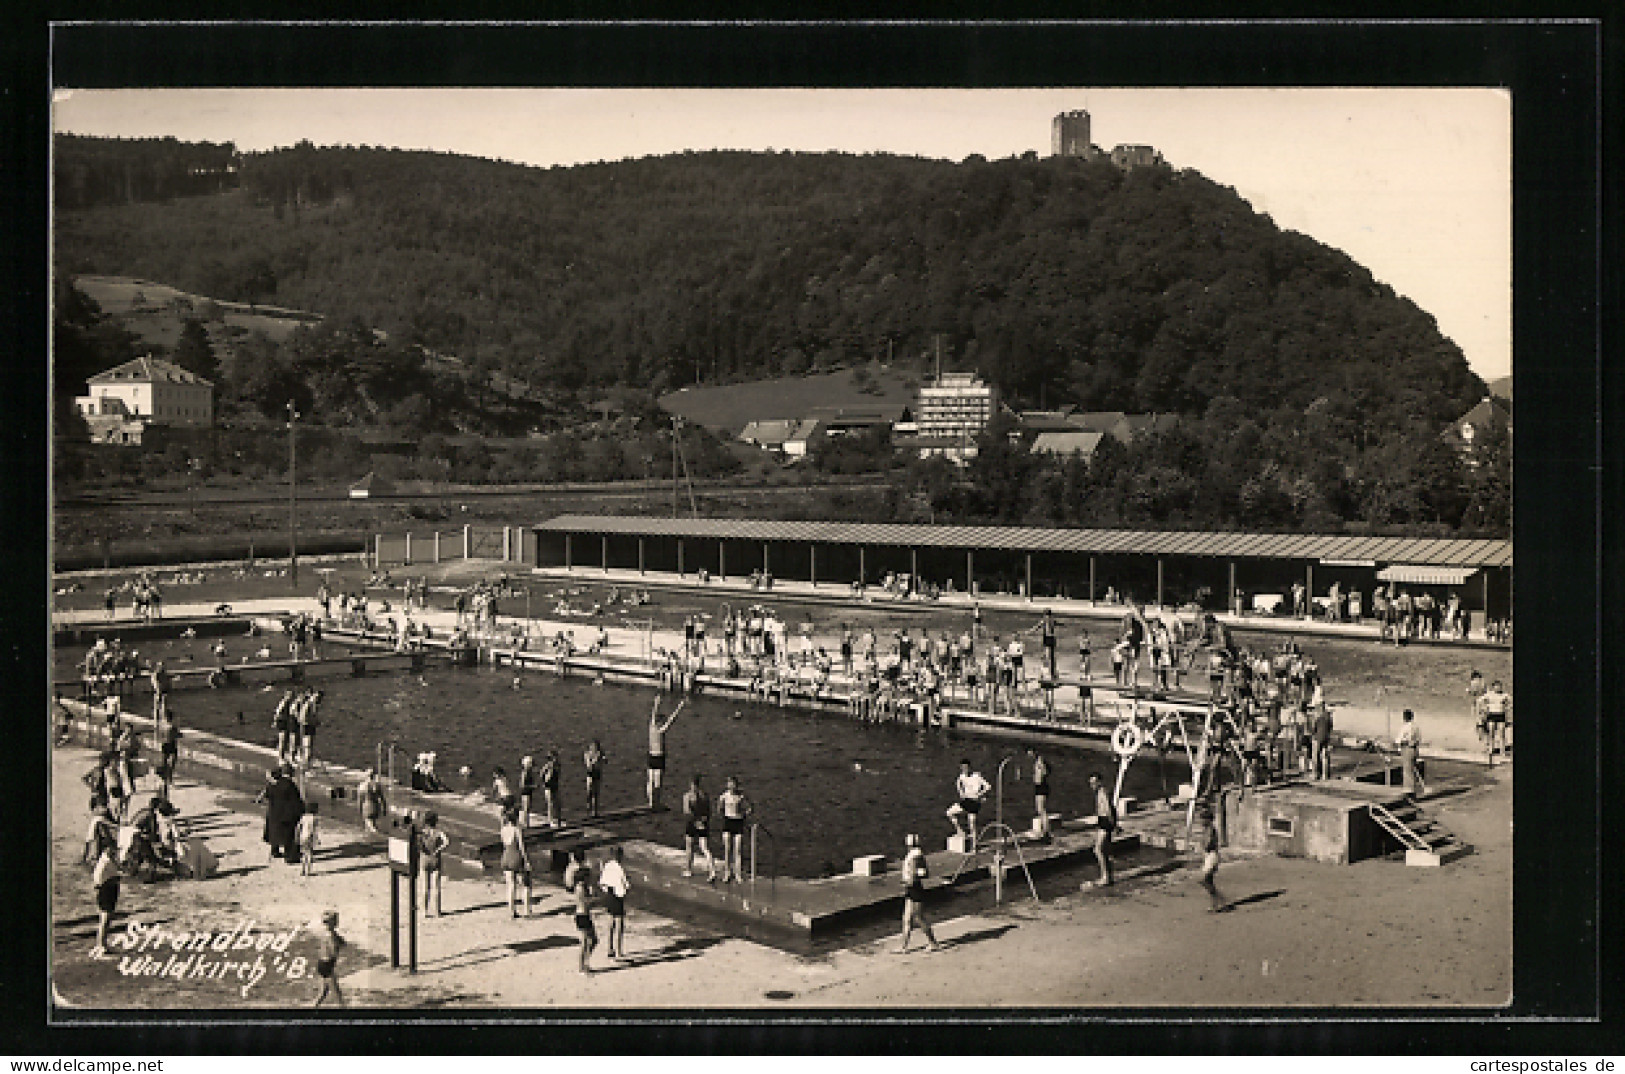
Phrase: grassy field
x=730 y=407
x=144 y=307
x=83 y=526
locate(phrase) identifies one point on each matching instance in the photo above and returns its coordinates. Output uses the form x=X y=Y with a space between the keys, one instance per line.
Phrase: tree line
x=1311 y=395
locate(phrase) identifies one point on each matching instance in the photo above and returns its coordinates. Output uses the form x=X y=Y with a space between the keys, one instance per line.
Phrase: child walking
x=306 y=836
x=328 y=958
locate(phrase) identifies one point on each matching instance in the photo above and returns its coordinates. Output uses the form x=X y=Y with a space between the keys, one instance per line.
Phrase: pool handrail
x=773 y=841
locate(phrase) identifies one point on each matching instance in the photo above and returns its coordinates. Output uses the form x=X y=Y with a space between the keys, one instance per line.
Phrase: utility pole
x=676 y=423
x=293 y=500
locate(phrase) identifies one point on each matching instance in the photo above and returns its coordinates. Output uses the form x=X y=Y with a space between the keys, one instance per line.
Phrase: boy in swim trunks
x=328 y=958
x=1210 y=855
x=1497 y=706
x=697 y=831
x=578 y=881
x=657 y=748
x=736 y=809
x=1106 y=819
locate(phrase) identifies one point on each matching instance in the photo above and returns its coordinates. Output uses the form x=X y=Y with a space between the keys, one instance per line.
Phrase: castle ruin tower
x=1069 y=135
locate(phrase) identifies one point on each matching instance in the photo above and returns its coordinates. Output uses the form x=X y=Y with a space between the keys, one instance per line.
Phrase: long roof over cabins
x=1442 y=552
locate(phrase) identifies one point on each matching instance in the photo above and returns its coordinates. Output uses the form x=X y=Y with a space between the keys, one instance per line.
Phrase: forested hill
x=1061 y=280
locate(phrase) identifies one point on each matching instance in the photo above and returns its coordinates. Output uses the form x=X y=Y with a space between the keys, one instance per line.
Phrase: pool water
x=829 y=788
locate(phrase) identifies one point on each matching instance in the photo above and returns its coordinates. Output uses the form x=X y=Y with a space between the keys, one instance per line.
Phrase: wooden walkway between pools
x=358 y=664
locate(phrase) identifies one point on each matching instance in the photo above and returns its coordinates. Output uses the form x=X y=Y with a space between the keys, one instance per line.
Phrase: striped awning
x=1417 y=574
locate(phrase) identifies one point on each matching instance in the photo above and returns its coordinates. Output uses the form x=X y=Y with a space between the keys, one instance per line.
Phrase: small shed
x=369 y=486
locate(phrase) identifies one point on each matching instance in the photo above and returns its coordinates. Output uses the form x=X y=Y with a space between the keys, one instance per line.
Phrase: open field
x=155 y=323
x=81 y=522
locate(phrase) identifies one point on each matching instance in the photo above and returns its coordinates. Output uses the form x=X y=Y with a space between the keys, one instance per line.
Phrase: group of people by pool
x=304 y=634
x=109 y=664
x=295 y=721
x=146 y=599
x=126 y=835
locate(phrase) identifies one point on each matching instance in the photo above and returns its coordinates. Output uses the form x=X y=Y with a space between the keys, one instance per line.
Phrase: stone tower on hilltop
x=1069 y=135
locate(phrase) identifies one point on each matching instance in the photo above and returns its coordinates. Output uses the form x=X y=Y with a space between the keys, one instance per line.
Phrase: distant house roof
x=147 y=370
x=1071 y=443
x=802 y=431
x=1048 y=421
x=768 y=434
x=1487 y=413
x=371 y=485
x=1467 y=430
x=1099 y=421
x=876 y=414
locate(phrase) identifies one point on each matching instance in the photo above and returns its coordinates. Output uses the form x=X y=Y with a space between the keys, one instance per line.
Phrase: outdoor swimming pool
x=828 y=787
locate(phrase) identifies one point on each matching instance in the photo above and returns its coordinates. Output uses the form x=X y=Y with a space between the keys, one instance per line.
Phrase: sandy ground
x=1374 y=933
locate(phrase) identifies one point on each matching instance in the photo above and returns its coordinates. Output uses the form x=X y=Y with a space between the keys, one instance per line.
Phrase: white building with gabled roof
x=146 y=391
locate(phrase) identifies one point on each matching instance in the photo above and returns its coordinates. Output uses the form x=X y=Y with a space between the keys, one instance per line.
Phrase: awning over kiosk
x=1416 y=574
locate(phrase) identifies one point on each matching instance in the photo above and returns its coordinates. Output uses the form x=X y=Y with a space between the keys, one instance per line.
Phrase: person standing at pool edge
x=1041 y=793
x=550 y=787
x=736 y=809
x=529 y=780
x=1106 y=821
x=972 y=788
x=594 y=759
x=432 y=842
x=578 y=881
x=657 y=748
x=612 y=880
x=515 y=859
x=697 y=830
x=1409 y=742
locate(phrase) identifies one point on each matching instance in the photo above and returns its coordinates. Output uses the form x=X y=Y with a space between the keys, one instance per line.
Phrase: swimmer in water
x=657 y=748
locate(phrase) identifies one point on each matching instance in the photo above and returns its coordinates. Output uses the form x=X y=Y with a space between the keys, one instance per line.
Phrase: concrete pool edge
x=808 y=908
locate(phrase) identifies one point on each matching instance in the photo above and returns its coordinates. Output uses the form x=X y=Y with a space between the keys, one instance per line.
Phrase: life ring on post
x=1163 y=738
x=1127 y=739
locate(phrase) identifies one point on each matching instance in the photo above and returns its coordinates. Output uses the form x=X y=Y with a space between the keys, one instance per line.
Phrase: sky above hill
x=1416 y=184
